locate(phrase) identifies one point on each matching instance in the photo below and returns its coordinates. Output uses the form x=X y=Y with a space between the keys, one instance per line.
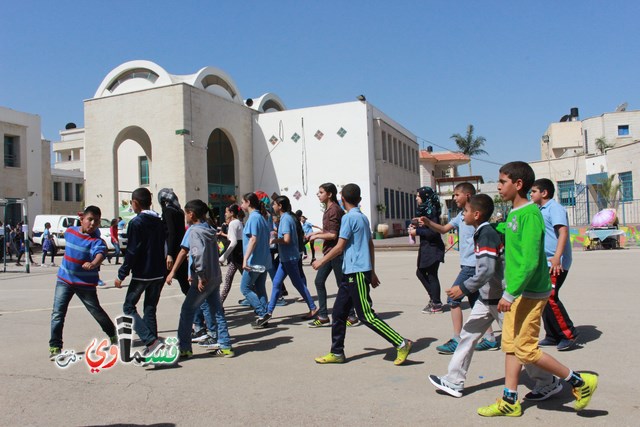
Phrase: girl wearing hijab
x=173 y=218
x=431 y=252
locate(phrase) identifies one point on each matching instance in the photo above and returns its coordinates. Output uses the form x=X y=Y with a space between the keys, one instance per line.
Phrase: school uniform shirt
x=201 y=243
x=554 y=214
x=307 y=227
x=489 y=253
x=257 y=226
x=465 y=236
x=80 y=248
x=331 y=221
x=355 y=229
x=287 y=225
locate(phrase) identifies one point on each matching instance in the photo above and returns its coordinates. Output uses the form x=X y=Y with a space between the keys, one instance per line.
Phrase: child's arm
x=334 y=252
x=316 y=227
x=250 y=246
x=375 y=282
x=556 y=260
x=442 y=229
x=97 y=260
x=182 y=255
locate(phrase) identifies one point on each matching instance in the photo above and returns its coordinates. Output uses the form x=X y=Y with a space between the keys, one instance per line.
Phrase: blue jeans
x=466 y=272
x=117 y=251
x=320 y=282
x=192 y=301
x=89 y=297
x=291 y=269
x=203 y=318
x=253 y=288
x=146 y=327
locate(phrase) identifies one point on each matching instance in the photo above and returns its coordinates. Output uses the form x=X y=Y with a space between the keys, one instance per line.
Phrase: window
x=57 y=191
x=68 y=191
x=391 y=208
x=143 y=163
x=11 y=151
x=404 y=156
x=79 y=195
x=386 y=203
x=407 y=206
x=403 y=209
x=395 y=152
x=390 y=147
x=623 y=130
x=384 y=145
x=567 y=193
x=586 y=142
x=398 y=204
x=626 y=186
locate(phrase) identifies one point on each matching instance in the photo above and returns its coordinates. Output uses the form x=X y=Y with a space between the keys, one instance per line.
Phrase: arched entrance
x=220 y=172
x=133 y=157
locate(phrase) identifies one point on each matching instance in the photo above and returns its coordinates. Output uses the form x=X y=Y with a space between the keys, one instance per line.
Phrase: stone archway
x=132 y=161
x=221 y=172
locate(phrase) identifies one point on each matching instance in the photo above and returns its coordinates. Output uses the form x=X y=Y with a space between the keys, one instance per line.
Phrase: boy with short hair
x=487 y=282
x=526 y=293
x=358 y=269
x=557 y=246
x=79 y=275
x=461 y=195
x=145 y=259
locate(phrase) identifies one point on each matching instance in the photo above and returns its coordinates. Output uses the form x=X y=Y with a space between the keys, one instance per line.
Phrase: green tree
x=608 y=193
x=602 y=144
x=470 y=145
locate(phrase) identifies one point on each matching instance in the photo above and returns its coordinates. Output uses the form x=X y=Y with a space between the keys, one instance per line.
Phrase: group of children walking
x=512 y=279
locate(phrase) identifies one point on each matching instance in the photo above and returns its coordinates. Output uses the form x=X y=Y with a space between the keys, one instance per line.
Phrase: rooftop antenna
x=622 y=107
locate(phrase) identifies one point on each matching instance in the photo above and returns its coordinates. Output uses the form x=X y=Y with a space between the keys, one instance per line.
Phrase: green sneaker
x=185 y=354
x=501 y=408
x=403 y=353
x=54 y=352
x=330 y=358
x=222 y=352
x=583 y=394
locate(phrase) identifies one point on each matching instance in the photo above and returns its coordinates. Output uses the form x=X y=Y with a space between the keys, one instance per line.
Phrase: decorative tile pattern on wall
x=295 y=137
x=342 y=132
x=319 y=135
x=273 y=140
x=297 y=195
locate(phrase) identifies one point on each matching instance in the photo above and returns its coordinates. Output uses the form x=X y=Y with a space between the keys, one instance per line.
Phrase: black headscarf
x=430 y=206
x=167 y=198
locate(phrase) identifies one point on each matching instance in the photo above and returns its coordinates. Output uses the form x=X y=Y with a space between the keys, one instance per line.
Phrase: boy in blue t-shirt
x=358 y=268
x=461 y=195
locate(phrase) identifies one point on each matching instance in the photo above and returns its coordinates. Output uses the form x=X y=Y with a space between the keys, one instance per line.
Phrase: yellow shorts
x=521 y=329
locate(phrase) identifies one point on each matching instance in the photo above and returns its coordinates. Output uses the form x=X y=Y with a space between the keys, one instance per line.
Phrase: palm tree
x=602 y=144
x=469 y=145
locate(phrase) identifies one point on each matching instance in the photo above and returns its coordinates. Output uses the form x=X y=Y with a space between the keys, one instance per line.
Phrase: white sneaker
x=545 y=392
x=444 y=385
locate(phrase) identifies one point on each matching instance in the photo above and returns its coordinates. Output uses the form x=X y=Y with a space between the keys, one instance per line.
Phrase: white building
x=25 y=165
x=578 y=155
x=197 y=135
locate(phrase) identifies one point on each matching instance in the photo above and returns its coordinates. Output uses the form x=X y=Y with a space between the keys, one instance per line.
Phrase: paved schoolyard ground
x=274 y=381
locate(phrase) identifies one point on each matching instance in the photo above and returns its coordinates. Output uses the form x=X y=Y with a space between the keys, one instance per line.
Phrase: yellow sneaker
x=403 y=353
x=583 y=394
x=330 y=358
x=501 y=408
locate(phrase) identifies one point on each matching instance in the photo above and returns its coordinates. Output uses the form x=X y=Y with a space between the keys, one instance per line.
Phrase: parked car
x=60 y=223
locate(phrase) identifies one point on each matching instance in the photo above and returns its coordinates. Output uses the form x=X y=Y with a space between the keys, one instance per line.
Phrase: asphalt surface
x=273 y=380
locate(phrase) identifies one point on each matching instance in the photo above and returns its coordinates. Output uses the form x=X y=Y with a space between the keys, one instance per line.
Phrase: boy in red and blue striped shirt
x=79 y=275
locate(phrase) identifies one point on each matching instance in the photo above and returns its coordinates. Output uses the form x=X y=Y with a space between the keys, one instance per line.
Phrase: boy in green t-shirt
x=527 y=290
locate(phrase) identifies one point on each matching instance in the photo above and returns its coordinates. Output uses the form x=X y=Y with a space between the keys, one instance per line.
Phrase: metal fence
x=583 y=211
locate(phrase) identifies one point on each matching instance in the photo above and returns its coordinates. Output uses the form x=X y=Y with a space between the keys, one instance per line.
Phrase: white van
x=60 y=223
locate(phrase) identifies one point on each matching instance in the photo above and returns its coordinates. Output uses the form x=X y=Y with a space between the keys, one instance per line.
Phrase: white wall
x=279 y=168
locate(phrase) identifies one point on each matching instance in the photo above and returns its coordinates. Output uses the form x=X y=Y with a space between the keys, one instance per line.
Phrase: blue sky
x=508 y=68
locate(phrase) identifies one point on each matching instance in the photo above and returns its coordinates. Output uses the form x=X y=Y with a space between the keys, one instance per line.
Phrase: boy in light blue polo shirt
x=558 y=326
x=461 y=195
x=358 y=268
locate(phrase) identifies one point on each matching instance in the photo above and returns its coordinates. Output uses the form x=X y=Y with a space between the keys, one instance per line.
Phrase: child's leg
x=151 y=300
x=44 y=254
x=209 y=316
x=429 y=279
x=228 y=280
x=276 y=288
x=291 y=268
x=481 y=316
x=456 y=311
x=223 y=331
x=358 y=287
x=193 y=300
x=557 y=323
x=89 y=297
x=61 y=299
x=247 y=285
x=134 y=292
x=341 y=307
